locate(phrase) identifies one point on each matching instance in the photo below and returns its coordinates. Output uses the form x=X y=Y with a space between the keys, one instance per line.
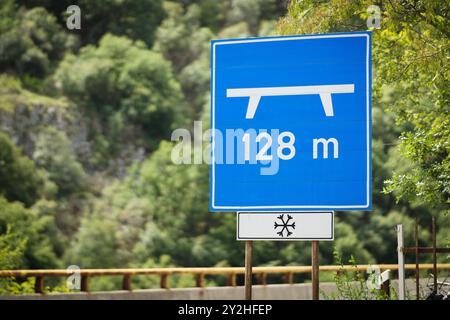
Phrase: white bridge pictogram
x=324 y=92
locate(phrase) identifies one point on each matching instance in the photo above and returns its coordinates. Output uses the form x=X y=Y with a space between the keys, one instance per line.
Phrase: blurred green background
x=86 y=176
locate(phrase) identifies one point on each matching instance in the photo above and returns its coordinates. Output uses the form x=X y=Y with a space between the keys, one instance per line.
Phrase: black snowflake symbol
x=284 y=225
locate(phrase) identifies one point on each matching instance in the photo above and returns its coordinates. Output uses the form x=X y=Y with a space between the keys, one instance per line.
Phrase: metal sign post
x=284 y=226
x=315 y=269
x=248 y=269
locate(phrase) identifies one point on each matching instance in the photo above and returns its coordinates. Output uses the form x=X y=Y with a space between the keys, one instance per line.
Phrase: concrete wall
x=269 y=292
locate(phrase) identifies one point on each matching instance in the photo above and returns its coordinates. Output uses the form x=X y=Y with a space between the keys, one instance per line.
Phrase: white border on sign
x=213 y=120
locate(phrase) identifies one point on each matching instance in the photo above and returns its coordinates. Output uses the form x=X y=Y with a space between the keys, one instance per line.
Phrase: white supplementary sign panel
x=285 y=225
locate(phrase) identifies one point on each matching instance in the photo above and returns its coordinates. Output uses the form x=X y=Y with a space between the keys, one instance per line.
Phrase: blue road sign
x=291 y=123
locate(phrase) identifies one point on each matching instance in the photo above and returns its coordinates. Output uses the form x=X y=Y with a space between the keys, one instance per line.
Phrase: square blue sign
x=291 y=123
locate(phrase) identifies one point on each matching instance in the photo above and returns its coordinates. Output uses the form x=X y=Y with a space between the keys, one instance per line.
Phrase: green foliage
x=131 y=90
x=212 y=14
x=352 y=285
x=347 y=242
x=159 y=178
x=249 y=11
x=173 y=37
x=217 y=15
x=19 y=178
x=183 y=41
x=109 y=230
x=31 y=42
x=59 y=161
x=96 y=244
x=414 y=61
x=15 y=99
x=12 y=248
x=136 y=20
x=12 y=286
x=32 y=230
x=177 y=201
x=27 y=118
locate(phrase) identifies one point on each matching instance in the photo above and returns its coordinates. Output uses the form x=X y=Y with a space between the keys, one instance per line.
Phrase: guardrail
x=198 y=273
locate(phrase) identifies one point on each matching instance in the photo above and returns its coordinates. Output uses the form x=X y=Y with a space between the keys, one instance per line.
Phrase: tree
x=137 y=20
x=32 y=231
x=20 y=180
x=31 y=42
x=413 y=59
x=11 y=250
x=129 y=92
x=11 y=257
x=177 y=201
x=95 y=245
x=114 y=221
x=183 y=41
x=53 y=153
x=175 y=35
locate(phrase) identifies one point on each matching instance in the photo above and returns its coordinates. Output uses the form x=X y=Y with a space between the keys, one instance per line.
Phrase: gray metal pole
x=401 y=263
